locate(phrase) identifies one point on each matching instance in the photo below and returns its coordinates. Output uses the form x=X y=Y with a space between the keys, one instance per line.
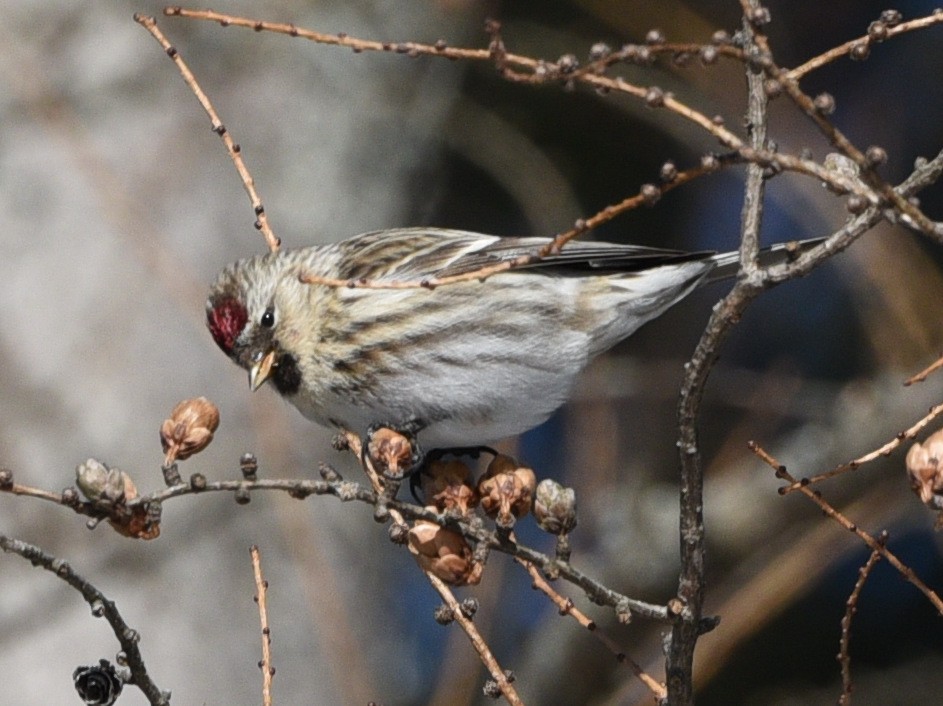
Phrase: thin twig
x=234 y=150
x=925 y=373
x=679 y=658
x=756 y=153
x=474 y=636
x=873 y=543
x=566 y=607
x=347 y=491
x=841 y=50
x=485 y=654
x=925 y=173
x=851 y=607
x=915 y=218
x=261 y=592
x=883 y=450
x=101 y=607
x=539 y=71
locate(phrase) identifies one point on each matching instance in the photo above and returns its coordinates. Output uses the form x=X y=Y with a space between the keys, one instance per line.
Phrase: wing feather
x=424 y=253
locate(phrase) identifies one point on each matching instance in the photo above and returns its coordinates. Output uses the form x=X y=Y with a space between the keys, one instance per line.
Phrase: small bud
x=708 y=55
x=399 y=533
x=491 y=689
x=469 y=607
x=861 y=51
x=875 y=155
x=390 y=452
x=824 y=104
x=720 y=38
x=449 y=485
x=650 y=194
x=856 y=204
x=668 y=172
x=600 y=50
x=759 y=16
x=772 y=88
x=70 y=497
x=189 y=429
x=506 y=490
x=555 y=507
x=444 y=553
x=654 y=37
x=443 y=615
x=6 y=479
x=893 y=17
x=249 y=465
x=568 y=63
x=710 y=162
x=759 y=60
x=877 y=31
x=654 y=97
x=925 y=470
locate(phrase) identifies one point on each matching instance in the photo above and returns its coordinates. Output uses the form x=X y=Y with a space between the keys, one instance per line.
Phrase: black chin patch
x=286 y=375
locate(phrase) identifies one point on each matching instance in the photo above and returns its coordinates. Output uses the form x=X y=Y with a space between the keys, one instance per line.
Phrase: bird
x=463 y=364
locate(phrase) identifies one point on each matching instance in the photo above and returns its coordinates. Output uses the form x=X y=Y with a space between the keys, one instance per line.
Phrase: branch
x=688 y=627
x=502 y=679
x=261 y=591
x=884 y=450
x=818 y=109
x=101 y=607
x=862 y=44
x=565 y=607
x=873 y=543
x=851 y=607
x=234 y=150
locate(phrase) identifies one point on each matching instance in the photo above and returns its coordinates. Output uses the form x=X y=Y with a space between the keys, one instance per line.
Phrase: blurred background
x=119 y=205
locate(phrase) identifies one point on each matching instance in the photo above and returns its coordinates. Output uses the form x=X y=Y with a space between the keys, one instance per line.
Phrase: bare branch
x=864 y=41
x=851 y=607
x=234 y=150
x=873 y=543
x=261 y=594
x=886 y=449
x=101 y=607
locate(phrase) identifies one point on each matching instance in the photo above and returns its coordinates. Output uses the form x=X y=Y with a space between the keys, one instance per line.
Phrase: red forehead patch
x=226 y=321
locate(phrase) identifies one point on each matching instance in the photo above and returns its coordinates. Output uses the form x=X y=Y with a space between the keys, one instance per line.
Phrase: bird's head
x=244 y=319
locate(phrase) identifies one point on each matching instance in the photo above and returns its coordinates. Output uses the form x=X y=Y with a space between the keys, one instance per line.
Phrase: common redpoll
x=465 y=363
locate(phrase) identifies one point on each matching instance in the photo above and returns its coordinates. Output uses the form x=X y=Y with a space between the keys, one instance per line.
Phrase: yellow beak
x=261 y=371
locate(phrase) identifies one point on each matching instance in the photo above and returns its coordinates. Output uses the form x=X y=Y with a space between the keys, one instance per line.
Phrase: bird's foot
x=433 y=455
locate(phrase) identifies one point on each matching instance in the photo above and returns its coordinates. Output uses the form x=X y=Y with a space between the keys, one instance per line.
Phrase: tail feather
x=728 y=264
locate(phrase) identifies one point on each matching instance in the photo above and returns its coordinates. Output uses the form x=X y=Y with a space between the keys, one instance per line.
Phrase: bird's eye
x=268 y=318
